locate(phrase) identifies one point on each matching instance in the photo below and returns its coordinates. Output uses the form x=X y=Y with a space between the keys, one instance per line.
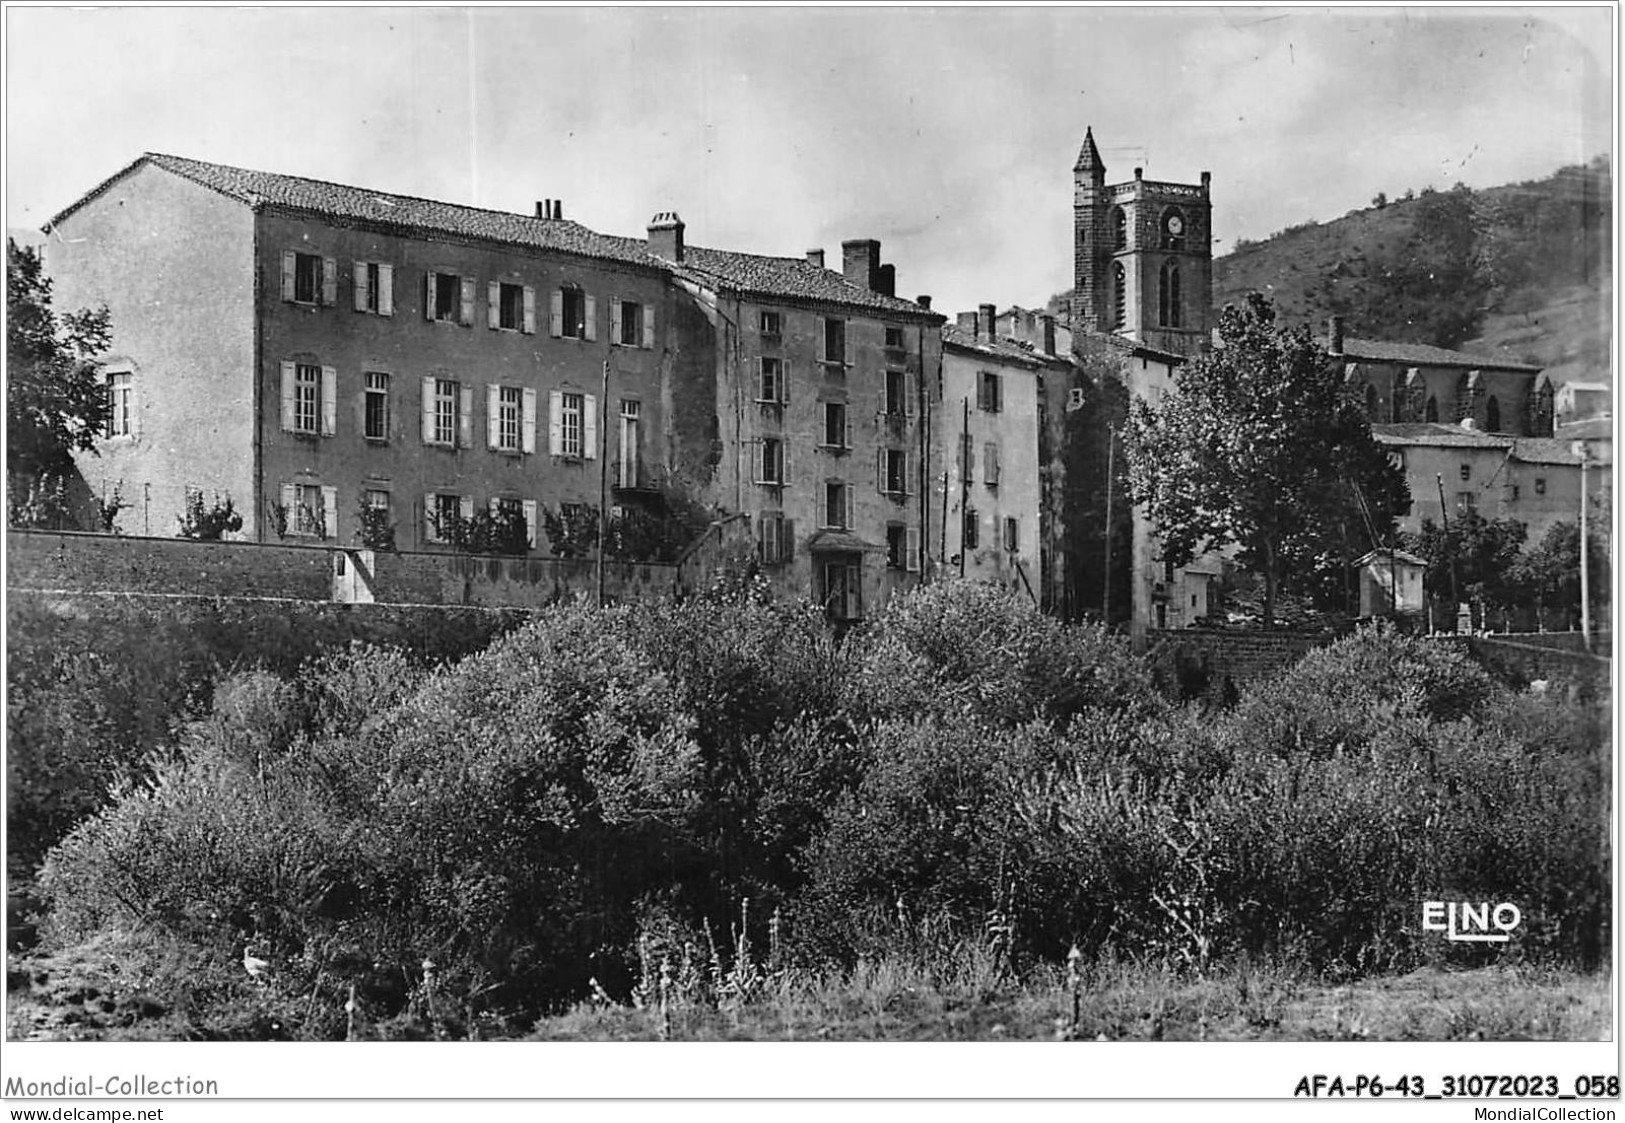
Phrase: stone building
x=312 y=349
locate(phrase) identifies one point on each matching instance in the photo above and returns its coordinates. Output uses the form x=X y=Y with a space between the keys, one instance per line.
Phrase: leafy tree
x=211 y=523
x=1255 y=447
x=56 y=404
x=1551 y=571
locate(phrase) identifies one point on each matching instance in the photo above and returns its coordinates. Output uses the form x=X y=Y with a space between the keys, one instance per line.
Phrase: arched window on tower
x=1168 y=304
x=1119 y=297
x=1399 y=393
x=1492 y=415
x=1119 y=229
x=1372 y=402
x=1432 y=409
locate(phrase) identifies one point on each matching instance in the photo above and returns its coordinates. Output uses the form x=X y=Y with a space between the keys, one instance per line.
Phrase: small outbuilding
x=1391 y=583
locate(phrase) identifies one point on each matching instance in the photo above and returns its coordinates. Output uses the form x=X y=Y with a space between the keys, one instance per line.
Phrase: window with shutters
x=770 y=467
x=896 y=546
x=447 y=296
x=307 y=278
x=972 y=532
x=444 y=512
x=1012 y=535
x=375 y=407
x=990 y=464
x=770 y=384
x=573 y=313
x=775 y=538
x=510 y=307
x=307 y=398
x=835 y=342
x=837 y=505
x=628 y=325
x=374 y=288
x=989 y=392
x=445 y=411
x=1466 y=502
x=120 y=404
x=308 y=518
x=509 y=418
x=894 y=472
x=571 y=409
x=896 y=393
x=836 y=434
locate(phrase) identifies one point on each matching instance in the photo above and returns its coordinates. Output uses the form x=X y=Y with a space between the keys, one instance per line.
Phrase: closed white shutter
x=648 y=327
x=287 y=397
x=530 y=310
x=465 y=417
x=528 y=506
x=465 y=507
x=290 y=501
x=615 y=320
x=555 y=422
x=428 y=295
x=591 y=304
x=330 y=401
x=555 y=326
x=911 y=562
x=527 y=422
x=467 y=317
x=589 y=427
x=359 y=285
x=428 y=411
x=386 y=290
x=431 y=533
x=288 y=265
x=493 y=304
x=330 y=282
x=493 y=419
x=330 y=512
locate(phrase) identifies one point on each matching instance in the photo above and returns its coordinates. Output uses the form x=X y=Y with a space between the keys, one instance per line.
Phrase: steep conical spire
x=1089 y=156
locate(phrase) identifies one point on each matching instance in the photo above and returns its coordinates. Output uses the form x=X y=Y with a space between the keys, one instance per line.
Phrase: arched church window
x=1492 y=415
x=1433 y=409
x=1372 y=402
x=1168 y=304
x=1119 y=297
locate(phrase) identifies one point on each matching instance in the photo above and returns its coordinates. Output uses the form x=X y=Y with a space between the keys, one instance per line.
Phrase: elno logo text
x=1470 y=922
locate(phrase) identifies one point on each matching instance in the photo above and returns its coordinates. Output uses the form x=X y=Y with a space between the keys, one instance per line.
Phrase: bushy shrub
x=974 y=650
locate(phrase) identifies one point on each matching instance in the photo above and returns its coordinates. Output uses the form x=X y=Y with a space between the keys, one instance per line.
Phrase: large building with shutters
x=314 y=350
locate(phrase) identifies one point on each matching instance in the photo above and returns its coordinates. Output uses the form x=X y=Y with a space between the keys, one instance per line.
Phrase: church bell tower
x=1142 y=256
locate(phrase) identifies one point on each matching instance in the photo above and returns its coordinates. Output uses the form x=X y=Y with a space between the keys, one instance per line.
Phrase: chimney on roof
x=1049 y=332
x=666 y=236
x=815 y=258
x=544 y=208
x=988 y=315
x=558 y=208
x=923 y=301
x=886 y=282
x=1207 y=180
x=860 y=262
x=1334 y=335
x=966 y=322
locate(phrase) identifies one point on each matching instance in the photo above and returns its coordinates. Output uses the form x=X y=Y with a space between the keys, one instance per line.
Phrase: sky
x=948 y=133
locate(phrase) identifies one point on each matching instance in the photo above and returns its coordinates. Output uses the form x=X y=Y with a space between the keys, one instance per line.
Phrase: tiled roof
x=1552 y=450
x=785 y=278
x=1008 y=350
x=1437 y=434
x=779 y=277
x=1591 y=429
x=1422 y=355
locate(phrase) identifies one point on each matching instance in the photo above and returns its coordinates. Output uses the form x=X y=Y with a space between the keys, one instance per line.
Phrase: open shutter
x=465 y=507
x=846 y=415
x=528 y=506
x=493 y=304
x=288 y=264
x=493 y=418
x=330 y=512
x=530 y=310
x=527 y=421
x=784 y=463
x=591 y=305
x=907 y=476
x=386 y=290
x=556 y=320
x=359 y=285
x=614 y=320
x=555 y=422
x=784 y=382
x=648 y=327
x=428 y=411
x=848 y=521
x=467 y=310
x=880 y=470
x=911 y=559
x=287 y=397
x=428 y=295
x=823 y=505
x=465 y=417
x=787 y=540
x=911 y=390
x=970 y=460
x=330 y=282
x=330 y=401
x=431 y=533
x=589 y=427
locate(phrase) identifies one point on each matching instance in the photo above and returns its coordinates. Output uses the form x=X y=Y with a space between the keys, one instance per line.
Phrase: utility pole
x=1106 y=571
x=1580 y=449
x=1455 y=586
x=964 y=482
x=603 y=478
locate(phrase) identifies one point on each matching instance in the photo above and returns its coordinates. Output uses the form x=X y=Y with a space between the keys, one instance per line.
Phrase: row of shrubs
x=530 y=820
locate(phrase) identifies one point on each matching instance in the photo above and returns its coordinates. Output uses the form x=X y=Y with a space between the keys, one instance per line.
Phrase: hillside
x=1521 y=271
